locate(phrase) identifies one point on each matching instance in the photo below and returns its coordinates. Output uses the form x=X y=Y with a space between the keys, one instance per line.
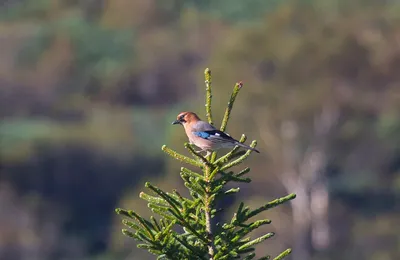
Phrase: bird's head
x=185 y=118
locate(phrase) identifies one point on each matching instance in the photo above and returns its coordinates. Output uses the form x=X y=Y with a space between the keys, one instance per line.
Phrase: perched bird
x=206 y=136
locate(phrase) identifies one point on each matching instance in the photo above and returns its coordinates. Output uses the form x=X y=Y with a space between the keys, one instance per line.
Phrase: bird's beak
x=176 y=122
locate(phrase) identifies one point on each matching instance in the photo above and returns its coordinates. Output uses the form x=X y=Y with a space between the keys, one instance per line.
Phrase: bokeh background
x=88 y=90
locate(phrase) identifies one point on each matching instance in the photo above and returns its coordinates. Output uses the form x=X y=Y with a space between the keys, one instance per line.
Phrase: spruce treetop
x=199 y=237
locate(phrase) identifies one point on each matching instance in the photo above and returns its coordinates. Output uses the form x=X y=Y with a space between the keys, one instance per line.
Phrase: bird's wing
x=214 y=135
x=202 y=126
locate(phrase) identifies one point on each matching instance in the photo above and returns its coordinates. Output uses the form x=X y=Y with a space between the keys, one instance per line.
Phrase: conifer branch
x=224 y=159
x=208 y=81
x=240 y=159
x=228 y=110
x=243 y=172
x=283 y=254
x=208 y=201
x=153 y=199
x=270 y=205
x=250 y=256
x=214 y=172
x=155 y=224
x=130 y=224
x=207 y=77
x=192 y=173
x=231 y=177
x=180 y=157
x=190 y=247
x=170 y=200
x=196 y=154
x=256 y=241
x=130 y=234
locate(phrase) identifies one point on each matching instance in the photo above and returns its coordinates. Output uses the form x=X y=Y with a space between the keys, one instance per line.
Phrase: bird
x=206 y=136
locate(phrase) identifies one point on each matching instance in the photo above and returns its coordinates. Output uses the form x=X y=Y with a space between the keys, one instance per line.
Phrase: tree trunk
x=301 y=224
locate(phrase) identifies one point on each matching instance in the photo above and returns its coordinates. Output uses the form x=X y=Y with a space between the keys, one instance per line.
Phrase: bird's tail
x=247 y=147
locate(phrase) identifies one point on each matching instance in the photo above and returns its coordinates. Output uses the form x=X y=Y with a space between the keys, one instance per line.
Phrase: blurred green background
x=88 y=90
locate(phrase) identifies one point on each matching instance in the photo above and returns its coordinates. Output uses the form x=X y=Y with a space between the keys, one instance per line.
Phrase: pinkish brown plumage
x=206 y=136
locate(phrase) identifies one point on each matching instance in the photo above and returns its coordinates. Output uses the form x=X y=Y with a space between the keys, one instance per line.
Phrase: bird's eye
x=182 y=119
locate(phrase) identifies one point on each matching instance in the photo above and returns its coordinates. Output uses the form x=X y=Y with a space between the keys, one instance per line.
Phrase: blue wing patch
x=214 y=134
x=204 y=135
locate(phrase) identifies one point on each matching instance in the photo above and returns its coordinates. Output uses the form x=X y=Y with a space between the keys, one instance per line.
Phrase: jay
x=206 y=136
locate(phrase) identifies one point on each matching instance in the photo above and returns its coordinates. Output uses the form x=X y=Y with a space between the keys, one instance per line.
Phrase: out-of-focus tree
x=316 y=76
x=30 y=228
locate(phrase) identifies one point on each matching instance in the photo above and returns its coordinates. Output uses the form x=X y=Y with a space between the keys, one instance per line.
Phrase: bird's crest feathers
x=187 y=117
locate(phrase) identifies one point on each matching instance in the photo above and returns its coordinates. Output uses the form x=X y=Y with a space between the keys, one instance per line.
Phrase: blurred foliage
x=236 y=11
x=88 y=90
x=99 y=49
